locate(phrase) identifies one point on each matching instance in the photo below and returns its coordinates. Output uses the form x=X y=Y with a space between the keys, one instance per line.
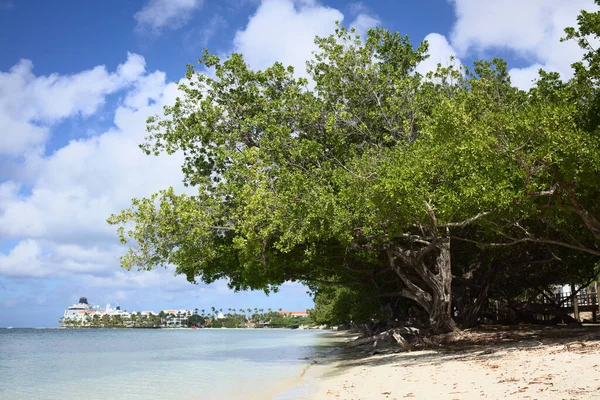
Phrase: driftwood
x=401 y=341
x=395 y=334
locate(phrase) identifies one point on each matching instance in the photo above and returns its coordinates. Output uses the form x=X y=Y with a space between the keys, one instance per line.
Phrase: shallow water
x=151 y=364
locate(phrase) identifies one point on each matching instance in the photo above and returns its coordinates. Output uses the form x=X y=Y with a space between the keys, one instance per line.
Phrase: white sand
x=526 y=370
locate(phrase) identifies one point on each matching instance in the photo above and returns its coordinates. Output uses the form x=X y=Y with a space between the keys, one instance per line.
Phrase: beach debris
x=385 y=336
x=401 y=341
x=568 y=345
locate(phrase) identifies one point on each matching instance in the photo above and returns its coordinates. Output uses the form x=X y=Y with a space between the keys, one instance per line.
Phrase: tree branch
x=466 y=222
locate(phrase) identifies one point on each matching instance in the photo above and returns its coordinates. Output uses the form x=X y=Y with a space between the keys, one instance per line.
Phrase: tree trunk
x=575 y=300
x=440 y=314
x=473 y=312
x=598 y=295
x=433 y=291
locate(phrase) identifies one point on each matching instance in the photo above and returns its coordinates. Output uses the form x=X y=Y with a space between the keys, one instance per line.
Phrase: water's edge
x=322 y=364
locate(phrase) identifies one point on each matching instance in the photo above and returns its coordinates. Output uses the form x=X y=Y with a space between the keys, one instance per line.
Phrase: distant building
x=293 y=313
x=146 y=313
x=176 y=318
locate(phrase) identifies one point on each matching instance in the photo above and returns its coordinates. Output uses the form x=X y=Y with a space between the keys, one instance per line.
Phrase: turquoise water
x=151 y=364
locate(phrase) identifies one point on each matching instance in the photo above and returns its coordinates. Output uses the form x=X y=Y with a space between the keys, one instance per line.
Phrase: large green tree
x=365 y=175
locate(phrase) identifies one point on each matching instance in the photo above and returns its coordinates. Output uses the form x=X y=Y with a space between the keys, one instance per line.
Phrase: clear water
x=151 y=364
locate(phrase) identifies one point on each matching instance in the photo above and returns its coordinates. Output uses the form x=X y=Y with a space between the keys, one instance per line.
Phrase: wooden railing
x=584 y=300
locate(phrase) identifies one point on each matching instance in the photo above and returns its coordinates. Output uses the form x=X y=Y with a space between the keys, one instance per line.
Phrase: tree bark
x=471 y=317
x=434 y=291
x=575 y=300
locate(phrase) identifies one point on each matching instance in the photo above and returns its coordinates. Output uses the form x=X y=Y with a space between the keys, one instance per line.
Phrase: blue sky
x=78 y=79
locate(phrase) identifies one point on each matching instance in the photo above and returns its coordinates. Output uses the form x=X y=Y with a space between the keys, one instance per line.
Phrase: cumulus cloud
x=531 y=29
x=440 y=52
x=23 y=260
x=363 y=23
x=284 y=30
x=163 y=14
x=30 y=104
x=62 y=214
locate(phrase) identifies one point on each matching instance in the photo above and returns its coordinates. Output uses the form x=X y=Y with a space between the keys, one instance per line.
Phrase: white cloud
x=23 y=260
x=363 y=23
x=161 y=14
x=524 y=78
x=532 y=29
x=33 y=258
x=82 y=183
x=440 y=52
x=62 y=215
x=284 y=30
x=30 y=105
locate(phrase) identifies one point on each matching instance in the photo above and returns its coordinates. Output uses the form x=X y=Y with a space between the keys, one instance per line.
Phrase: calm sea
x=152 y=364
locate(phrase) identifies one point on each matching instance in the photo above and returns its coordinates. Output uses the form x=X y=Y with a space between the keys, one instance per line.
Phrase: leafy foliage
x=375 y=178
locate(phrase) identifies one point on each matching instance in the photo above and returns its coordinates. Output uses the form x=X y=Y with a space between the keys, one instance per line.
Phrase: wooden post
x=597 y=304
x=598 y=295
x=575 y=304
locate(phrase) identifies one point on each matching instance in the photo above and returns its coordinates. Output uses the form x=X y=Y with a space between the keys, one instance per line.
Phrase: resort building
x=174 y=318
x=293 y=313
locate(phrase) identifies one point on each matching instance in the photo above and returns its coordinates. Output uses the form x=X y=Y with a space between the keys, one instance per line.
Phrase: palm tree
x=133 y=318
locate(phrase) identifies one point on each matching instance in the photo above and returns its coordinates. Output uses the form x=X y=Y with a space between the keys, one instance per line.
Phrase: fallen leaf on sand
x=521 y=390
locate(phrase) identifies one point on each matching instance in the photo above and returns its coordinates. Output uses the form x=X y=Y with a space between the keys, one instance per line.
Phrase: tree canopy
x=376 y=179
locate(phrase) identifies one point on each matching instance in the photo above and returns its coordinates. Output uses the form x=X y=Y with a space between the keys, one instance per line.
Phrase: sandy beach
x=535 y=367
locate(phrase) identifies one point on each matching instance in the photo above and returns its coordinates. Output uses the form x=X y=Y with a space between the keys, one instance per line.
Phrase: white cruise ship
x=78 y=309
x=83 y=309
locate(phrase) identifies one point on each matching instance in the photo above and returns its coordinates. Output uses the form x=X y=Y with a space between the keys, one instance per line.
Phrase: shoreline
x=321 y=365
x=535 y=367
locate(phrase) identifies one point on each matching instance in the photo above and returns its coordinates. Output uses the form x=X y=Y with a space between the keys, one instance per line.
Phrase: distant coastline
x=82 y=315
